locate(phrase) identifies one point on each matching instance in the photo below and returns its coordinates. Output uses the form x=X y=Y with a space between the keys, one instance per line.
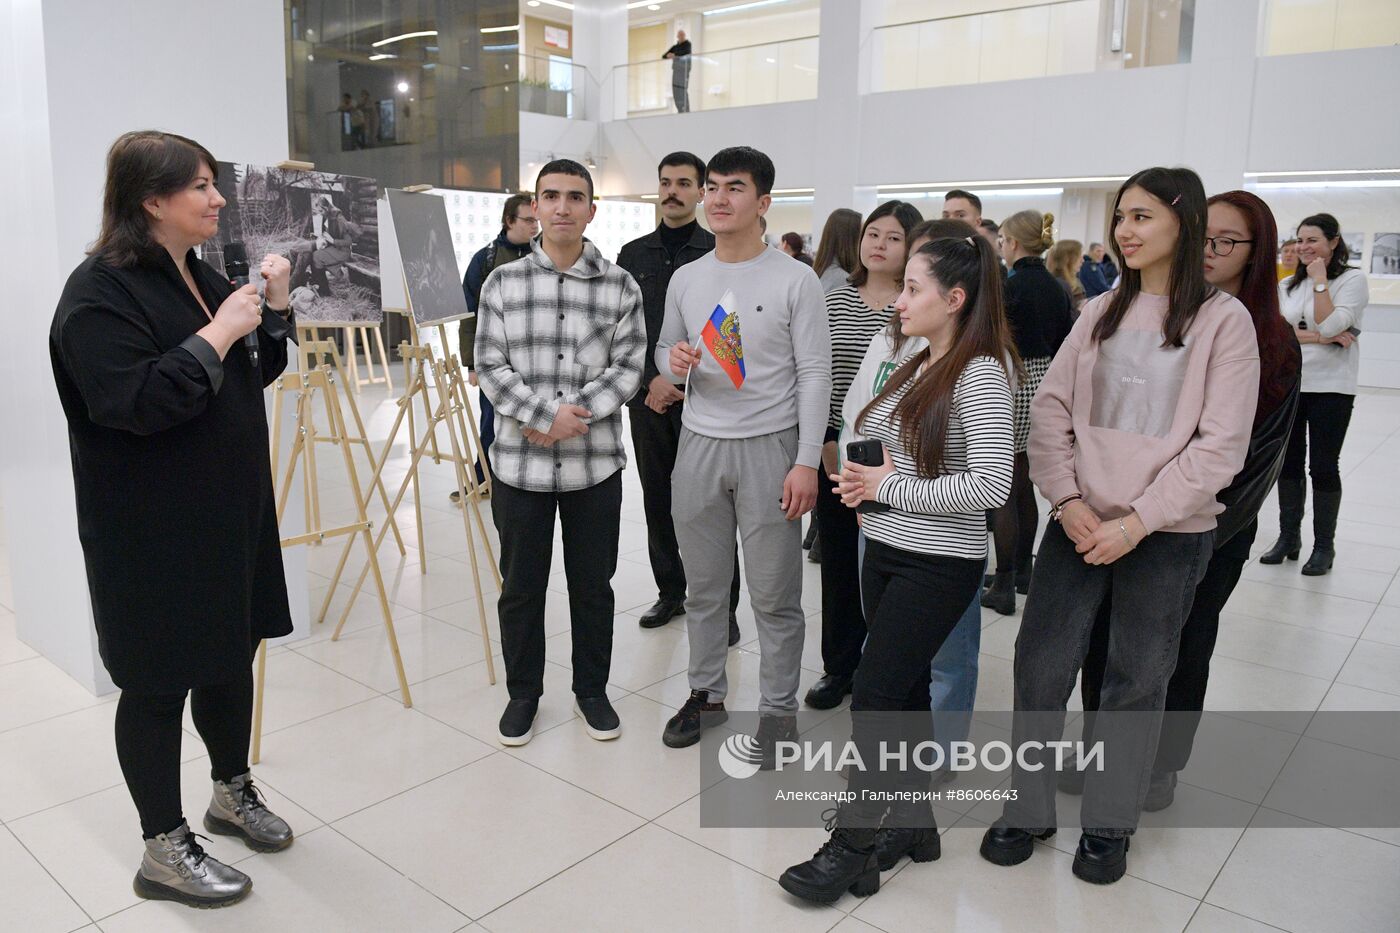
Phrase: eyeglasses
x=1223 y=245
x=528 y=220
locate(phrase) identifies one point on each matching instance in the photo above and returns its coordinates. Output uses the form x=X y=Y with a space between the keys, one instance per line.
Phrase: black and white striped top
x=853 y=325
x=943 y=515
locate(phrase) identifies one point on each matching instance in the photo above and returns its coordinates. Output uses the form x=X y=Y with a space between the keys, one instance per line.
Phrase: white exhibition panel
x=54 y=150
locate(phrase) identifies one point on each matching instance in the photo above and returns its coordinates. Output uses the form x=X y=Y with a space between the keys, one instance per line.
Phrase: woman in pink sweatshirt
x=1143 y=417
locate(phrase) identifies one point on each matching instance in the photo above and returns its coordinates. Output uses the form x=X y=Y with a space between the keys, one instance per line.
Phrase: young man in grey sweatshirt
x=746 y=331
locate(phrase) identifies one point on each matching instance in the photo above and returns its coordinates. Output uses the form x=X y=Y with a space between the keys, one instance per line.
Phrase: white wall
x=1349 y=91
x=74 y=76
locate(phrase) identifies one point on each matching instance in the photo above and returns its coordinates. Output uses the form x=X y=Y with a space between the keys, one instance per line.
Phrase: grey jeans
x=1152 y=587
x=720 y=486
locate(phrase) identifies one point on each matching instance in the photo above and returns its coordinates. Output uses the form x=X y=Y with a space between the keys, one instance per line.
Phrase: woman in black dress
x=174 y=495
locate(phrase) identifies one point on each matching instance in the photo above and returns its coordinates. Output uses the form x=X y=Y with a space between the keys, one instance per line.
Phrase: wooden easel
x=307 y=384
x=360 y=333
x=313 y=353
x=453 y=408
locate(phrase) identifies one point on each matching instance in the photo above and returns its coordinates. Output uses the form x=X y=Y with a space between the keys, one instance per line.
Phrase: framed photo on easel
x=326 y=224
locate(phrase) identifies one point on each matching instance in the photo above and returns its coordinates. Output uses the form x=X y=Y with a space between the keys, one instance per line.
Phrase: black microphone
x=236 y=268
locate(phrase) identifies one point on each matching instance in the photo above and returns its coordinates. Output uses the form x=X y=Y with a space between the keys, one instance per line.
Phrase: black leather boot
x=828 y=692
x=845 y=862
x=1101 y=859
x=1002 y=595
x=1292 y=494
x=911 y=829
x=1326 y=505
x=1023 y=575
x=1007 y=845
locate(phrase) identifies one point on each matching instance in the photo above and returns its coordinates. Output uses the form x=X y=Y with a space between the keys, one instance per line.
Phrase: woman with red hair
x=1240 y=260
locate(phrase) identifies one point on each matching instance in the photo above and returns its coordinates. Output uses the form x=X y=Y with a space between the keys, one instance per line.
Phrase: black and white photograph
x=1385 y=255
x=327 y=225
x=1356 y=244
x=430 y=272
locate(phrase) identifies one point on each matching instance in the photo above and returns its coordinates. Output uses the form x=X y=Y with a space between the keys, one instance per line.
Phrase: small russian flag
x=721 y=336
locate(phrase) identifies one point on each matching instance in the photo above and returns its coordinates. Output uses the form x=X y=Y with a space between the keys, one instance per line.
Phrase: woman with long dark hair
x=944 y=421
x=1323 y=300
x=953 y=673
x=1039 y=313
x=856 y=312
x=173 y=483
x=1240 y=261
x=1143 y=418
x=838 y=252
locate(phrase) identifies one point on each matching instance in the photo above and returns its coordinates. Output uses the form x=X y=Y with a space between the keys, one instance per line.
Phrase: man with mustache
x=655 y=411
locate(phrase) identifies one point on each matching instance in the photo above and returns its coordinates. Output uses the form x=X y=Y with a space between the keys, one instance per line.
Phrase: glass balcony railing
x=557 y=87
x=770 y=73
x=1035 y=41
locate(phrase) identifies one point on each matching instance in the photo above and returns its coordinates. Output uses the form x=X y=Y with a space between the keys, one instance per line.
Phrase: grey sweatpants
x=718 y=486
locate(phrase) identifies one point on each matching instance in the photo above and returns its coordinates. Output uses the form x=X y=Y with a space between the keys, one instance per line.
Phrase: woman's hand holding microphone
x=240 y=314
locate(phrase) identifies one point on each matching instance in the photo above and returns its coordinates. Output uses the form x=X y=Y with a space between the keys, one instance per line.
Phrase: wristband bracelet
x=1059 y=507
x=1123 y=529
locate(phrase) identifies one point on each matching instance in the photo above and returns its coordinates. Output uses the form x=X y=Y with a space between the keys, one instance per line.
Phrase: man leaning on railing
x=680 y=71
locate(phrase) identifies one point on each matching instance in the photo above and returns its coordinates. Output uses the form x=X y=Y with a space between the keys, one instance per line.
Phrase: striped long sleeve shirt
x=943 y=514
x=545 y=338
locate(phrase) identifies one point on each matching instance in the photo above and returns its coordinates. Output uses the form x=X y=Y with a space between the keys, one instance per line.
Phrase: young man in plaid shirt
x=559 y=346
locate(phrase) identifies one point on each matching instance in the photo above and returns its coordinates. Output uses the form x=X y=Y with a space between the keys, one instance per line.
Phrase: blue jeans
x=954 y=672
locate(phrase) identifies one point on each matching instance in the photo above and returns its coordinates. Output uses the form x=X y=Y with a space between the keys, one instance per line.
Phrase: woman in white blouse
x=1323 y=299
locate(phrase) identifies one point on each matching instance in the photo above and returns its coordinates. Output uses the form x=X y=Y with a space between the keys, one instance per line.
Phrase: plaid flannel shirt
x=546 y=338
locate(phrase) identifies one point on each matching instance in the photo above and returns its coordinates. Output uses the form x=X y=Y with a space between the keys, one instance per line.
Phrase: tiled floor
x=416 y=820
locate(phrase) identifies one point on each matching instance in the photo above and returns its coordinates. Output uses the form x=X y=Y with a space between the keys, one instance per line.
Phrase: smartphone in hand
x=869 y=452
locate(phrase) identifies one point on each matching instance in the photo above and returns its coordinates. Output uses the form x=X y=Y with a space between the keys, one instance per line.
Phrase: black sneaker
x=697 y=715
x=772 y=729
x=733 y=630
x=518 y=722
x=599 y=718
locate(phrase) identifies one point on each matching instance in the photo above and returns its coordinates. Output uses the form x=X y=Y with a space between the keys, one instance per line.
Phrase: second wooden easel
x=308 y=385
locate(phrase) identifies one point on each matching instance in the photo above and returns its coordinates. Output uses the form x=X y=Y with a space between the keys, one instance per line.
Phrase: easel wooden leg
x=363 y=438
x=384 y=360
x=444 y=391
x=337 y=419
x=351 y=357
x=259 y=685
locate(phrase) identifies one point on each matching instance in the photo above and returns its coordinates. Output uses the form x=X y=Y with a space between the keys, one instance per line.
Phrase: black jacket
x=1037 y=308
x=648 y=262
x=1267 y=442
x=171 y=473
x=496 y=253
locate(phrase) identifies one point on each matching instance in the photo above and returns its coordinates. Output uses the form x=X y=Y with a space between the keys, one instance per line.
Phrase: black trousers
x=912 y=602
x=655 y=440
x=1152 y=589
x=148 y=744
x=525 y=520
x=1186 y=693
x=843 y=620
x=1322 y=425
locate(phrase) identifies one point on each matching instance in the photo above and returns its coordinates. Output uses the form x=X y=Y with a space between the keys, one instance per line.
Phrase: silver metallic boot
x=176 y=868
x=237 y=810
